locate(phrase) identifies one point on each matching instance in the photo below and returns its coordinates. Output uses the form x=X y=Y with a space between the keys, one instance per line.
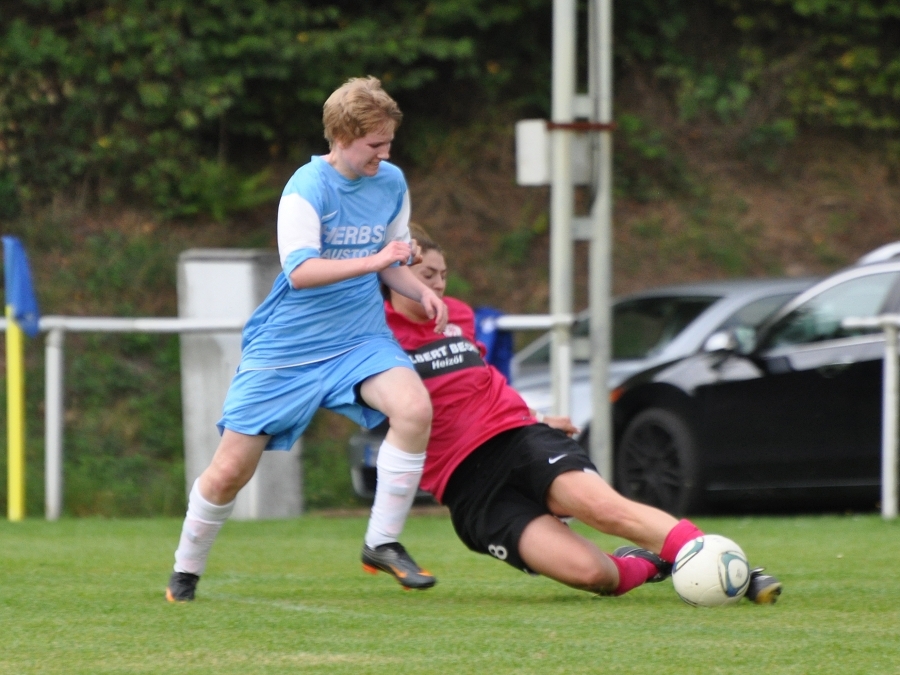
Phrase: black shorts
x=502 y=486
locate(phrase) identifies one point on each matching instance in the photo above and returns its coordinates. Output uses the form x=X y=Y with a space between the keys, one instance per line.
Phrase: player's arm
x=299 y=244
x=315 y=272
x=560 y=422
x=402 y=280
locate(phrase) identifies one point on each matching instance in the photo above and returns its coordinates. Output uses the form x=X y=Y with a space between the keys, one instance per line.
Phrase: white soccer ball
x=711 y=571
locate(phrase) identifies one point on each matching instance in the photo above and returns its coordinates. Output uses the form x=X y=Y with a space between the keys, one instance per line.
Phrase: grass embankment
x=86 y=596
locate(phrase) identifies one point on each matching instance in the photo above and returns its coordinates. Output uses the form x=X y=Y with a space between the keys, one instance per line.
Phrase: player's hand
x=435 y=309
x=393 y=252
x=564 y=424
x=416 y=255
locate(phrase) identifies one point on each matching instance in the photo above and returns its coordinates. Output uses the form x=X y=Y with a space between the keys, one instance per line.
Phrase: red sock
x=632 y=573
x=678 y=536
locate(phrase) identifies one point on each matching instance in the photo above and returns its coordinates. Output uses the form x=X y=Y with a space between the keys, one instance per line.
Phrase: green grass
x=86 y=596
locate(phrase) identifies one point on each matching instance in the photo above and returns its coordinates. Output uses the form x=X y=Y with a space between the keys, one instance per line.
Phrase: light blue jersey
x=322 y=214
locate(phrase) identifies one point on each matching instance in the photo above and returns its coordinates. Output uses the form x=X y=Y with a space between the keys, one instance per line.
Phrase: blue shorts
x=280 y=402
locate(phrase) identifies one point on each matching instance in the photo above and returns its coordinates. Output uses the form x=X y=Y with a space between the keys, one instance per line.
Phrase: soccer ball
x=710 y=571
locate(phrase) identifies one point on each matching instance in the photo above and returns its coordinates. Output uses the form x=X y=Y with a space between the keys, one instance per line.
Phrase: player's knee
x=224 y=479
x=416 y=414
x=590 y=574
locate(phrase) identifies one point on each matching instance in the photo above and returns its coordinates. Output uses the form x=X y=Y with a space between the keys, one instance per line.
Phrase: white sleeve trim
x=298 y=226
x=398 y=228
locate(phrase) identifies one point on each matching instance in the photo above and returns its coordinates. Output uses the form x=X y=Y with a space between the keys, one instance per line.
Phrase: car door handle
x=833 y=369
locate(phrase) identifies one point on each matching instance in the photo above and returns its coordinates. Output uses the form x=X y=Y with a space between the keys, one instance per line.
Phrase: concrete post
x=228 y=284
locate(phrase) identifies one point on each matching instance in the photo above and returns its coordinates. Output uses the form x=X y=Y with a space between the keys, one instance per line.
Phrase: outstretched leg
x=586 y=496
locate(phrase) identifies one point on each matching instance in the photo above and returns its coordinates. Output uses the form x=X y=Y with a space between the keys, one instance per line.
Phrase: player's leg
x=551 y=548
x=399 y=394
x=586 y=496
x=590 y=499
x=209 y=505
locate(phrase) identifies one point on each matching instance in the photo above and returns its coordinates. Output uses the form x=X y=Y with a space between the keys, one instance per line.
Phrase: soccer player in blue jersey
x=320 y=338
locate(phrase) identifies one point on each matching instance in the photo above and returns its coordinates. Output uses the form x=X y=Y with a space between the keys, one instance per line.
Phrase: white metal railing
x=533 y=321
x=54 y=361
x=54 y=406
x=890 y=324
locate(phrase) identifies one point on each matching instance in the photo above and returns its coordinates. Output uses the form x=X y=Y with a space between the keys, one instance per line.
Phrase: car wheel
x=655 y=462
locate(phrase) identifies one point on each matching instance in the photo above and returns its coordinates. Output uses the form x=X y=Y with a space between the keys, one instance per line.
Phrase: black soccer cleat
x=393 y=559
x=763 y=589
x=182 y=586
x=663 y=569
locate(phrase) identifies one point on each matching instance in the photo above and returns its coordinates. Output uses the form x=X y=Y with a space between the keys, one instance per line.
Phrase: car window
x=644 y=326
x=754 y=313
x=820 y=317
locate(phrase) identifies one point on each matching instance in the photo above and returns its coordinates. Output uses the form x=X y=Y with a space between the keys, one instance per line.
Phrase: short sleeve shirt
x=323 y=214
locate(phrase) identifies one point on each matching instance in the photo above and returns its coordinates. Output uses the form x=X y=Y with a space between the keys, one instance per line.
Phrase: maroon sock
x=632 y=573
x=678 y=536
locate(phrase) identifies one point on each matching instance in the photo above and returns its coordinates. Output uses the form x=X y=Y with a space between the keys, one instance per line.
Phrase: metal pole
x=562 y=196
x=15 y=418
x=889 y=424
x=54 y=412
x=600 y=265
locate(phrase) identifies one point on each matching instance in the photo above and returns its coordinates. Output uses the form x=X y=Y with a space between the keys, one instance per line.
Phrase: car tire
x=656 y=462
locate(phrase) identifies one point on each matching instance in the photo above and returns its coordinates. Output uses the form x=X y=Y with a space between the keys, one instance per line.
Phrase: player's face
x=362 y=156
x=432 y=272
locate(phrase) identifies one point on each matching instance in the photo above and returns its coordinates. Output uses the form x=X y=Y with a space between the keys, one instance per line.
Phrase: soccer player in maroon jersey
x=509 y=477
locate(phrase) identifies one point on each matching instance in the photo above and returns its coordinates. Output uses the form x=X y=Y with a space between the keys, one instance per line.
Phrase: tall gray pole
x=562 y=196
x=600 y=263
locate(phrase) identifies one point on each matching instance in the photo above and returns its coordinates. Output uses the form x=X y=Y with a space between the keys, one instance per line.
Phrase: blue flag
x=19 y=289
x=499 y=343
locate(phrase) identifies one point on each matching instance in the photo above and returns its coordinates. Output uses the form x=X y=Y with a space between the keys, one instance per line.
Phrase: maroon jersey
x=472 y=401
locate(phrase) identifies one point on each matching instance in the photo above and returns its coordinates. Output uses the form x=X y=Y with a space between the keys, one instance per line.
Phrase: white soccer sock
x=398 y=479
x=201 y=525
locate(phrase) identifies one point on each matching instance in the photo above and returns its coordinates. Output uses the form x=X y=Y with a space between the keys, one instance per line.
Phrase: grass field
x=86 y=596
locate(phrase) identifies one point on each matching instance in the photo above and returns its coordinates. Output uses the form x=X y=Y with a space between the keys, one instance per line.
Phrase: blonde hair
x=356 y=108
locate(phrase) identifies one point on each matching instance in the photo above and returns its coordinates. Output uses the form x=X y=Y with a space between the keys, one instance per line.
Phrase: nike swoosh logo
x=329 y=216
x=554 y=460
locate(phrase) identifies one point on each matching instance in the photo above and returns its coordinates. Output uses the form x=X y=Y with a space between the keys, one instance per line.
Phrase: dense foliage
x=790 y=62
x=150 y=98
x=159 y=99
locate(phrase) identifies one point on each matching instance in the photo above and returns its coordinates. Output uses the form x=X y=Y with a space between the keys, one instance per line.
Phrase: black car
x=782 y=416
x=650 y=327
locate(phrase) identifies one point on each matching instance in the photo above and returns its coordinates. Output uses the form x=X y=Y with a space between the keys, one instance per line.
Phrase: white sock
x=201 y=525
x=398 y=479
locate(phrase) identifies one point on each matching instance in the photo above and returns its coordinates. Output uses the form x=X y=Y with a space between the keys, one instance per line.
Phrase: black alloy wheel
x=655 y=462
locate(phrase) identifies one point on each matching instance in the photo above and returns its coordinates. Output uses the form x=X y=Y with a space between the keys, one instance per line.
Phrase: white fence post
x=54 y=377
x=54 y=411
x=890 y=410
x=889 y=424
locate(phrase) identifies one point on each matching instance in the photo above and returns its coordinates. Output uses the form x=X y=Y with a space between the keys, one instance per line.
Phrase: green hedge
x=182 y=104
x=155 y=99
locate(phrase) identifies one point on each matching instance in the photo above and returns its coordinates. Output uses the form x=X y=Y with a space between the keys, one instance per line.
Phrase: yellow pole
x=15 y=416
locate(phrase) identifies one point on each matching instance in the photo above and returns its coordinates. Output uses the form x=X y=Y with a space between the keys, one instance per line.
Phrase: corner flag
x=21 y=314
x=19 y=289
